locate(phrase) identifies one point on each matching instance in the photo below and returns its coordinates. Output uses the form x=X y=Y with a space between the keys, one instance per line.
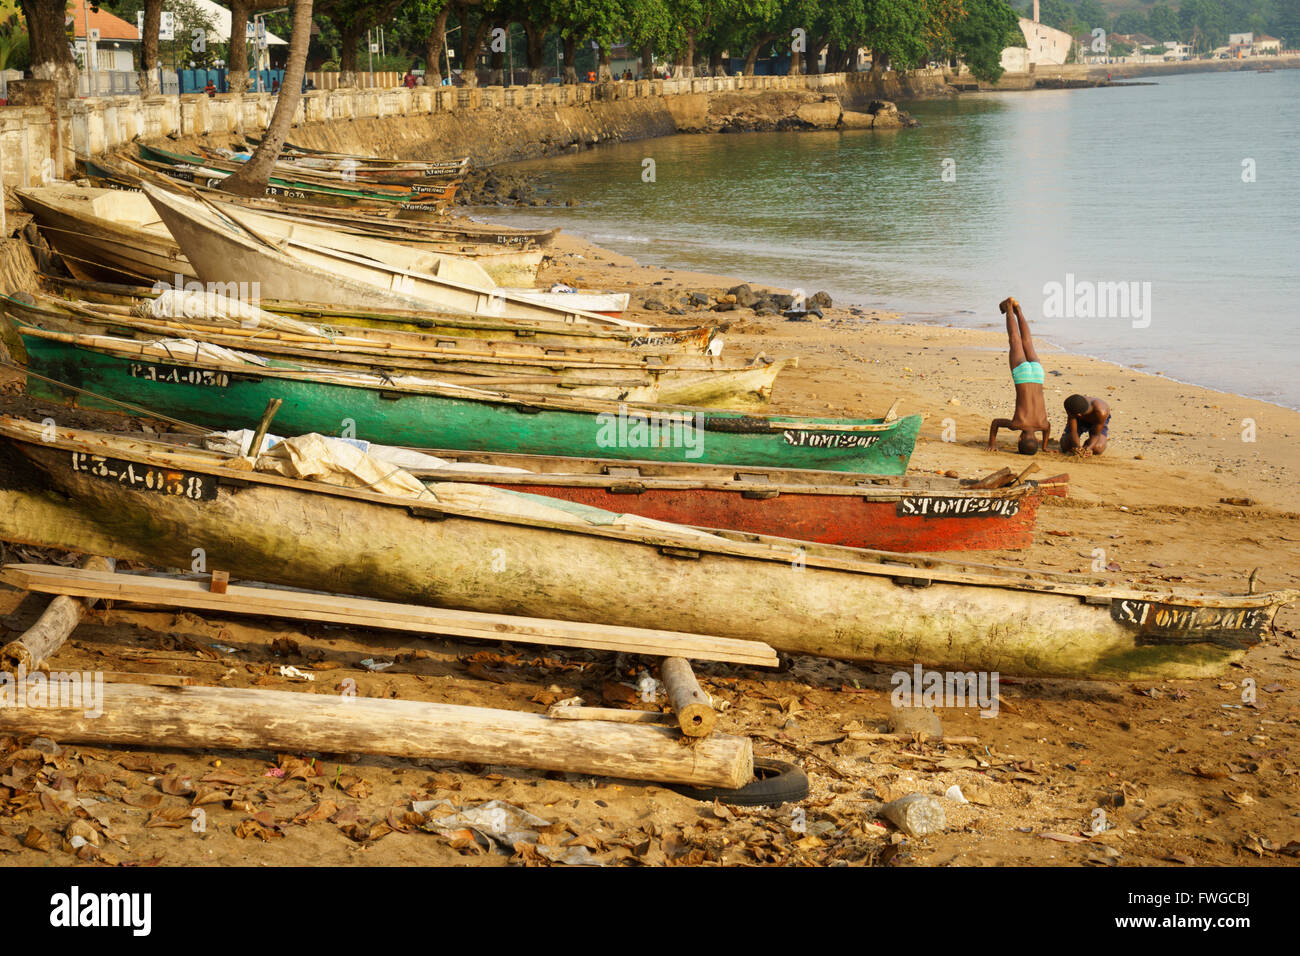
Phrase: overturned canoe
x=907 y=513
x=456 y=548
x=185 y=383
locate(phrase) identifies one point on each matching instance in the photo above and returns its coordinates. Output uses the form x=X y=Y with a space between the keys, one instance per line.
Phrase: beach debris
x=954 y=794
x=1239 y=502
x=916 y=814
x=369 y=664
x=294 y=674
x=654 y=305
x=495 y=822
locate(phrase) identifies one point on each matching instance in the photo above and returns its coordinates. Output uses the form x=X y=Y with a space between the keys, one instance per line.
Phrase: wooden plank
x=365 y=612
x=133 y=715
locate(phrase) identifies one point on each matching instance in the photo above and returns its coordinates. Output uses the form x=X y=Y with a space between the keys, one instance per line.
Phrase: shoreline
x=887 y=313
x=947 y=371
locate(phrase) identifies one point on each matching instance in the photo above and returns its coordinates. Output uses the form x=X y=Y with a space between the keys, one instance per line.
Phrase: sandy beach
x=1185 y=772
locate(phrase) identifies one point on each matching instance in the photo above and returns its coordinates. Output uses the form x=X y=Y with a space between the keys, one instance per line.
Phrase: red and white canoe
x=905 y=513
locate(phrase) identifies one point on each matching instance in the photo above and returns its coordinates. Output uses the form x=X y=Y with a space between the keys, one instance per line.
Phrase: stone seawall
x=490 y=124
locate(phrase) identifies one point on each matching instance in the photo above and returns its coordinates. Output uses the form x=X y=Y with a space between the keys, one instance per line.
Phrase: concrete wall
x=491 y=124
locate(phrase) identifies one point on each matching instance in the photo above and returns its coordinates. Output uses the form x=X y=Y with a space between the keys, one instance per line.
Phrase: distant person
x=1090 y=416
x=210 y=89
x=419 y=80
x=1027 y=376
x=408 y=81
x=309 y=85
x=275 y=84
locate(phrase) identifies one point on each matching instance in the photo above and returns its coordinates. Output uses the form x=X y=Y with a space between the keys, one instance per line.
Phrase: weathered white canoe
x=159 y=504
x=224 y=249
x=116 y=235
x=106 y=234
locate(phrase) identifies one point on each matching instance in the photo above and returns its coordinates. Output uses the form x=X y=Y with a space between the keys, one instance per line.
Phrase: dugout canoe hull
x=801 y=598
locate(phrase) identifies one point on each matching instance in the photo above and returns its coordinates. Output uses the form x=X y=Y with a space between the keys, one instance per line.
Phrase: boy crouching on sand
x=1090 y=416
x=1027 y=375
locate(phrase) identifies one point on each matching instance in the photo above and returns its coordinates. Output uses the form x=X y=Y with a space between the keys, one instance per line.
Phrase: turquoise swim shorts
x=1027 y=373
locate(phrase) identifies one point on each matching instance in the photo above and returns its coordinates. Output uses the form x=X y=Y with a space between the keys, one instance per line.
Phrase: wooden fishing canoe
x=339 y=170
x=303 y=194
x=434 y=193
x=438 y=167
x=110 y=233
x=92 y=232
x=106 y=234
x=422 y=413
x=112 y=173
x=656 y=339
x=452 y=549
x=703 y=381
x=915 y=513
x=224 y=249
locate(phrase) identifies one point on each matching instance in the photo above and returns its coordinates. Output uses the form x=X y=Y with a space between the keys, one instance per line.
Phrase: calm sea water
x=1140 y=184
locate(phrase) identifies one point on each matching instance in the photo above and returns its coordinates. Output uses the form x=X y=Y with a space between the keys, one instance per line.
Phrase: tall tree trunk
x=688 y=57
x=349 y=37
x=604 y=71
x=148 y=79
x=472 y=45
x=433 y=48
x=879 y=61
x=717 y=66
x=570 y=47
x=50 y=54
x=751 y=57
x=252 y=176
x=815 y=55
x=647 y=62
x=237 y=68
x=535 y=50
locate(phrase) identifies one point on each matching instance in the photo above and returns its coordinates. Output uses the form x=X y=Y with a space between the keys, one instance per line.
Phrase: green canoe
x=425 y=413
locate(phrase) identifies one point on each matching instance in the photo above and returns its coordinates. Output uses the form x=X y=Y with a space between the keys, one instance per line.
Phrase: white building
x=1044 y=46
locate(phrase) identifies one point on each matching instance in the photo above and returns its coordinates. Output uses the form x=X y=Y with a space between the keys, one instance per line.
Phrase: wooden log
x=572 y=712
x=695 y=714
x=134 y=715
x=364 y=612
x=40 y=641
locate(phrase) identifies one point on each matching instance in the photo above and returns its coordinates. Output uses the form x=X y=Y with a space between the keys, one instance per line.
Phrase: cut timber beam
x=42 y=640
x=134 y=715
x=364 y=612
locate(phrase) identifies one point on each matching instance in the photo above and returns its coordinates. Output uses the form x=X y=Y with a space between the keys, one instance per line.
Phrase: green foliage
x=979 y=37
x=14 y=48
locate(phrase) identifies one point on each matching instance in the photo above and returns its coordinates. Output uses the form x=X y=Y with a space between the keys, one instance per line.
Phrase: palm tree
x=252 y=177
